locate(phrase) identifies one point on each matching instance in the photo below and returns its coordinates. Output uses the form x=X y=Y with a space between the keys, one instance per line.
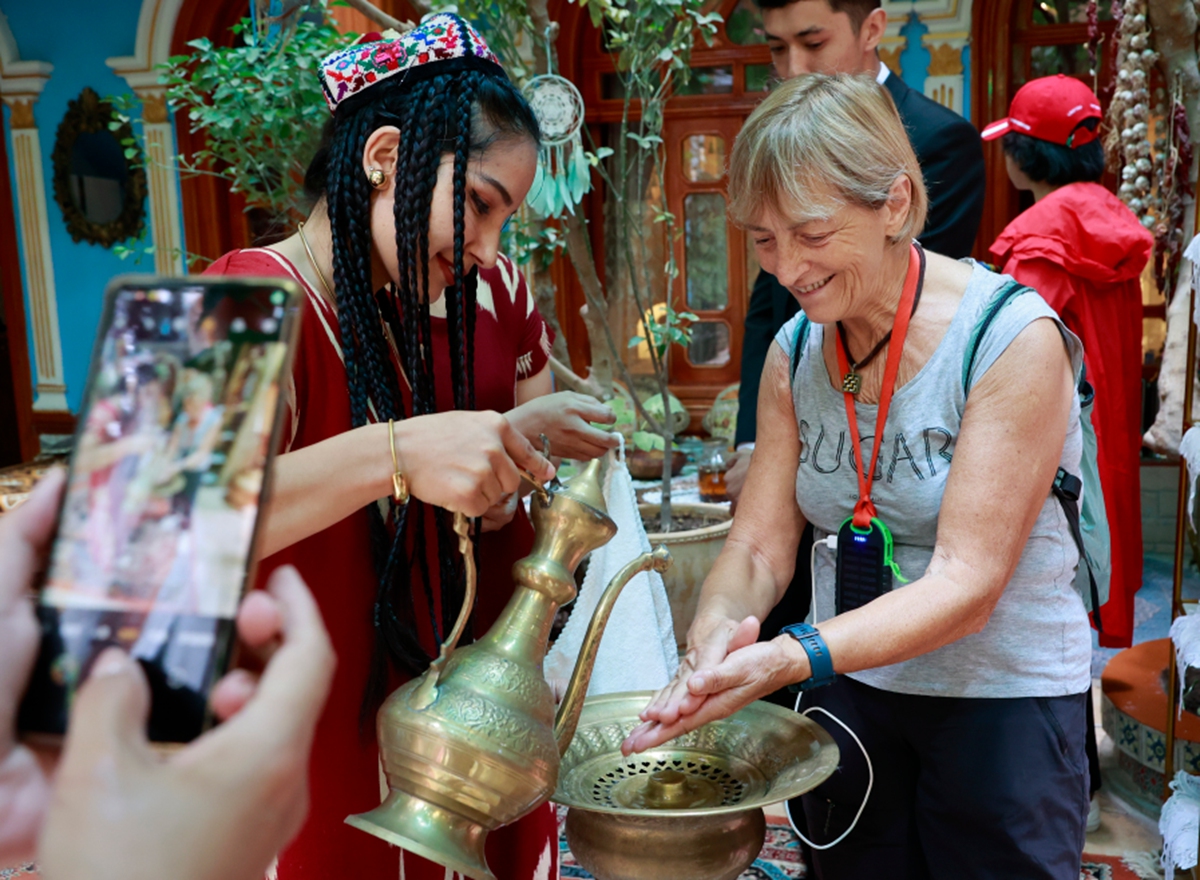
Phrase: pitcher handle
x=426 y=692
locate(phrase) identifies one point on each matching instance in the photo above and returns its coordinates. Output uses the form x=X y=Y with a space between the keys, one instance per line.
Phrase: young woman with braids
x=418 y=335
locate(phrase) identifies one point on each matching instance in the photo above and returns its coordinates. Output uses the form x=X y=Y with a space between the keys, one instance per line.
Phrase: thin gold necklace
x=383 y=324
x=312 y=261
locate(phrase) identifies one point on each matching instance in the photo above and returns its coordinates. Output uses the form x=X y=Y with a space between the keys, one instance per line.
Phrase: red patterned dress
x=511 y=343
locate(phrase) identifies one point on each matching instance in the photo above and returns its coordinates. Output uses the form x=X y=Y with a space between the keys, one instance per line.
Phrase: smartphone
x=159 y=520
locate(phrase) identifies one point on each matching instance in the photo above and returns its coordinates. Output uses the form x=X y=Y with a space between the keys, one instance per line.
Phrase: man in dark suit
x=841 y=36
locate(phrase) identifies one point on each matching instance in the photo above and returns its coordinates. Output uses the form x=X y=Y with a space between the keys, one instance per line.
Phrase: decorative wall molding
x=21 y=83
x=945 y=60
x=21 y=112
x=152 y=46
x=946 y=82
x=156 y=27
x=947 y=25
x=940 y=16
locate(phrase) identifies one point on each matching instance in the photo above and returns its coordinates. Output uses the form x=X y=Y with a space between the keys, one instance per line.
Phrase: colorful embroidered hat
x=442 y=37
x=1050 y=108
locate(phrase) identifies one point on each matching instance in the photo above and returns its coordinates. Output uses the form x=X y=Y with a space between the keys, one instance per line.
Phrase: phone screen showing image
x=158 y=523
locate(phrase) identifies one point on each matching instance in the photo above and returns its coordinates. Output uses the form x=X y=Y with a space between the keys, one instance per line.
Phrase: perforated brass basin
x=692 y=808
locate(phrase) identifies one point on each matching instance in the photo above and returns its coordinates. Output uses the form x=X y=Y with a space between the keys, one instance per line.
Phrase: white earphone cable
x=830 y=541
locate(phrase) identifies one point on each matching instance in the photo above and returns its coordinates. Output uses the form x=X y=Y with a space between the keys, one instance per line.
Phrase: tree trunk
x=545 y=294
x=595 y=313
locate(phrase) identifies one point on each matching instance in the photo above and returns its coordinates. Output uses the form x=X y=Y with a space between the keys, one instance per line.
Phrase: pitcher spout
x=567 y=719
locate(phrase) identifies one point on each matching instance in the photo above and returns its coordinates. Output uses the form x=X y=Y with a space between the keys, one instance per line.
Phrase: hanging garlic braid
x=451 y=115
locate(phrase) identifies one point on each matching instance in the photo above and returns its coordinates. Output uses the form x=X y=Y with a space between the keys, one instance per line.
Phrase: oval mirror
x=101 y=192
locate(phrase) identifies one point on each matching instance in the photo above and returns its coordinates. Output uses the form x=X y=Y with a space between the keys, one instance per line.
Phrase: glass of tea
x=713 y=462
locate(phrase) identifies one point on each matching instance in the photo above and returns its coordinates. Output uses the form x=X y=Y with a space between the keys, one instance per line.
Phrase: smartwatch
x=818 y=656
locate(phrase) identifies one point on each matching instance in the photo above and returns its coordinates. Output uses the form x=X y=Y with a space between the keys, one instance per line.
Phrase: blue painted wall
x=914 y=59
x=75 y=36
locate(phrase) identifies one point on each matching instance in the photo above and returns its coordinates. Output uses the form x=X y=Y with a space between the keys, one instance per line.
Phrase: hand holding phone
x=24 y=540
x=159 y=521
x=220 y=807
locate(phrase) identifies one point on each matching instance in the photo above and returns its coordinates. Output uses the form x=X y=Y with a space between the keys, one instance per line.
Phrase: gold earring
x=376 y=177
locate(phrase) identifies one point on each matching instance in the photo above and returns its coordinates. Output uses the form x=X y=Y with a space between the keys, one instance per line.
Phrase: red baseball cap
x=1050 y=108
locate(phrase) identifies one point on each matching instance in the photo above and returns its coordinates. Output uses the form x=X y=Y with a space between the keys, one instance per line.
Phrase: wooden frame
x=12 y=293
x=88 y=114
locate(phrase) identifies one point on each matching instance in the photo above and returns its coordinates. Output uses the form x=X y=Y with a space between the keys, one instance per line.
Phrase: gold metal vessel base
x=433 y=833
x=692 y=808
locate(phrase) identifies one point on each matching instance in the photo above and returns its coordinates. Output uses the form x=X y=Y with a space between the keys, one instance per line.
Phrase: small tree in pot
x=652 y=42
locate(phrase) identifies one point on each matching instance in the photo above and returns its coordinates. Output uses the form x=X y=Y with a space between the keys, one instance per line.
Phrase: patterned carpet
x=1105 y=868
x=779 y=860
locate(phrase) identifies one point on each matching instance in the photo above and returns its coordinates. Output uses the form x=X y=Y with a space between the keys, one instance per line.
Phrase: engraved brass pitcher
x=474 y=743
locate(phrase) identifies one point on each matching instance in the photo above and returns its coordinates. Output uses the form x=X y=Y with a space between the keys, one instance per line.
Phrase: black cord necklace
x=852 y=381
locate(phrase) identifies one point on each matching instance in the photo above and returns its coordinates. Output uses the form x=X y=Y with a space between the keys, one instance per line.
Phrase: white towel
x=1189 y=451
x=637 y=652
x=1185 y=636
x=1179 y=823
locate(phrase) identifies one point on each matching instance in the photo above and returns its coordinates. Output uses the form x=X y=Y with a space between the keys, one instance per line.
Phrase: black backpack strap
x=1066 y=489
x=799 y=341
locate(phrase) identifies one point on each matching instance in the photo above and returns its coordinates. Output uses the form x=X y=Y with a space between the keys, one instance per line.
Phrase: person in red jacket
x=1084 y=251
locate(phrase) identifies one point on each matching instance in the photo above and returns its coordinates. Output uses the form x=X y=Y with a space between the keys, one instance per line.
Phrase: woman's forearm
x=322 y=484
x=742 y=583
x=927 y=614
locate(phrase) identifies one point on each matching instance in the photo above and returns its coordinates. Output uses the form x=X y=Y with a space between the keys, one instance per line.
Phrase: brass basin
x=692 y=808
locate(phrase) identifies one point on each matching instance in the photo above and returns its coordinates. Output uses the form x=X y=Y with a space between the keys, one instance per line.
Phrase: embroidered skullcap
x=441 y=43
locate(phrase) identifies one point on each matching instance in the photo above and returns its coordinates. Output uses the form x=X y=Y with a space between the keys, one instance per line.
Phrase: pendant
x=852 y=383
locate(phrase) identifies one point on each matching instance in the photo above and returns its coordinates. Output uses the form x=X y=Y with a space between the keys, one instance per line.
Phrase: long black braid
x=442 y=117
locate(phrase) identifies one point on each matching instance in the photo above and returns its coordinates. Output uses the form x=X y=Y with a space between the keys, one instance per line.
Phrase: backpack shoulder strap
x=799 y=341
x=1000 y=299
x=1067 y=486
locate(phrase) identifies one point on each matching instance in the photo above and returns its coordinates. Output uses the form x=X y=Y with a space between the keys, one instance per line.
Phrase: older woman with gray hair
x=918 y=412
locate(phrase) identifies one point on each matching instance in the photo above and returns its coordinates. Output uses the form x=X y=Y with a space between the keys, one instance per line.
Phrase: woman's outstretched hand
x=725 y=671
x=566 y=419
x=466 y=461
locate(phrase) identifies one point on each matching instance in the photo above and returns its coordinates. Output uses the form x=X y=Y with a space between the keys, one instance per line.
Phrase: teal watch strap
x=818 y=656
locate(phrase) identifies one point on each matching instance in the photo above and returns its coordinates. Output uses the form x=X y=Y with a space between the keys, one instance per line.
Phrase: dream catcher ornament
x=563 y=174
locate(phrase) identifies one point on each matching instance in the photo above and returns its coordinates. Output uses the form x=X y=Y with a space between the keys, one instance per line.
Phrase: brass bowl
x=692 y=808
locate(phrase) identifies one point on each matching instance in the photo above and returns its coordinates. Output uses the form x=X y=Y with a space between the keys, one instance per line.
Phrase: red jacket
x=1084 y=252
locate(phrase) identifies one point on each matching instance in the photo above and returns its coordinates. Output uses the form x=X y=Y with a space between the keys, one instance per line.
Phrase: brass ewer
x=474 y=743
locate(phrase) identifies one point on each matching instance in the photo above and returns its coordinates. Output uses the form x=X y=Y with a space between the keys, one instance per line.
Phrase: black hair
x=446 y=112
x=1056 y=164
x=858 y=10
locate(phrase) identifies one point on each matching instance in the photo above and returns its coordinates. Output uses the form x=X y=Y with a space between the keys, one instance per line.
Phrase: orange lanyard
x=864 y=508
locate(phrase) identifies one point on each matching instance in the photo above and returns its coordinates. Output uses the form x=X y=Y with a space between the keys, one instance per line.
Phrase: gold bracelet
x=399 y=481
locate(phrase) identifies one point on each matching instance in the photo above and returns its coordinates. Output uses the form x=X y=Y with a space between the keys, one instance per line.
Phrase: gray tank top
x=1037 y=642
